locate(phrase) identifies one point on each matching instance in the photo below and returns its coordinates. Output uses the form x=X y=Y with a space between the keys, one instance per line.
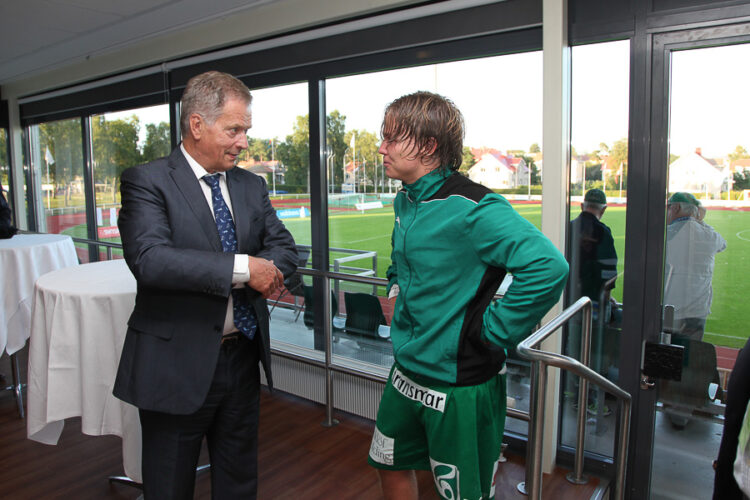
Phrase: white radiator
x=350 y=394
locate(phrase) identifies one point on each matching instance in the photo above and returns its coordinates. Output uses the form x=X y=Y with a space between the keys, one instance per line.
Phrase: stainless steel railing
x=540 y=360
x=328 y=365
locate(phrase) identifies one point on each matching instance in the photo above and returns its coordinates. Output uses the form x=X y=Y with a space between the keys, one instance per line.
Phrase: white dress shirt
x=241 y=272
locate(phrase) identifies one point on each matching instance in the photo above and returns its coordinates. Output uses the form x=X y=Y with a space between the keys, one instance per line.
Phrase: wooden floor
x=298 y=458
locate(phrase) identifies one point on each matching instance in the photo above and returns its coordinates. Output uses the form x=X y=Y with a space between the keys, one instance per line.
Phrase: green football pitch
x=726 y=325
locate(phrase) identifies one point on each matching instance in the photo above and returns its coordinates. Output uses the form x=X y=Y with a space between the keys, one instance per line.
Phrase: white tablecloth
x=78 y=326
x=23 y=258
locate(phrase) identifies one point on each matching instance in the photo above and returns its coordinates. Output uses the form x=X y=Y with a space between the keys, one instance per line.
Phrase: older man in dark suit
x=206 y=249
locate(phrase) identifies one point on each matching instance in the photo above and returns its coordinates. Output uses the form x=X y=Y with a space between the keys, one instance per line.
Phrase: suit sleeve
x=152 y=256
x=278 y=244
x=502 y=238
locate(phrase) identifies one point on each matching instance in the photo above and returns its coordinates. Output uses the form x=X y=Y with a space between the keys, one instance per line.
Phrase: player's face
x=400 y=160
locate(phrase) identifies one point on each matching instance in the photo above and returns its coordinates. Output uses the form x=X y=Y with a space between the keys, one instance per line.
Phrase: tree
x=741 y=180
x=739 y=153
x=63 y=139
x=336 y=144
x=535 y=178
x=367 y=144
x=534 y=170
x=157 y=143
x=534 y=148
x=258 y=149
x=594 y=172
x=619 y=153
x=115 y=144
x=294 y=153
x=468 y=160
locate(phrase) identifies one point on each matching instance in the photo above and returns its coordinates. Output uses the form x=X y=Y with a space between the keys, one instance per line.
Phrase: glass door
x=706 y=247
x=697 y=234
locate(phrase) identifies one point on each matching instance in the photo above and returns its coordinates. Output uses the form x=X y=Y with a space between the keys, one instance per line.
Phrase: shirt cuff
x=393 y=292
x=241 y=271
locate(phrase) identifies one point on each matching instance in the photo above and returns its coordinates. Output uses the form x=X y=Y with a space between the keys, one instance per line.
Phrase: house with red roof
x=497 y=170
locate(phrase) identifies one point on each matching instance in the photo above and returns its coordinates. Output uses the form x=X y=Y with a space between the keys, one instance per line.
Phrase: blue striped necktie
x=244 y=316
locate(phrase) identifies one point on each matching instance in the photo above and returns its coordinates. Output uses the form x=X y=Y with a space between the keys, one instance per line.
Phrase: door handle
x=646 y=383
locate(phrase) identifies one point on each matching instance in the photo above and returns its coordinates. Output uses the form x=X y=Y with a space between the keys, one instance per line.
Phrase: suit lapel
x=185 y=180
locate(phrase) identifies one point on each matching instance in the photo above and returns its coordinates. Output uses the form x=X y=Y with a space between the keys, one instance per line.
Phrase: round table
x=23 y=259
x=78 y=325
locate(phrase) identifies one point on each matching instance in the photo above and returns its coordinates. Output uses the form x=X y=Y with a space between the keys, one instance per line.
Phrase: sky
x=501 y=99
x=710 y=106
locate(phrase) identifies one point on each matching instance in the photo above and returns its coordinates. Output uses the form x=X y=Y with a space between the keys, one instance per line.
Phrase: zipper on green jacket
x=404 y=305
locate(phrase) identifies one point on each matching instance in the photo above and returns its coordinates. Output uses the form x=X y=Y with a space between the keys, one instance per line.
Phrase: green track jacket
x=453 y=242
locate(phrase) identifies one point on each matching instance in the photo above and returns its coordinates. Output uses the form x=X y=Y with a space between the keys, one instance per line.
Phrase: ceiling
x=42 y=35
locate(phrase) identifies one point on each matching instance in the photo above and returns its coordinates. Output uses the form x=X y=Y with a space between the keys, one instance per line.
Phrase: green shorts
x=456 y=432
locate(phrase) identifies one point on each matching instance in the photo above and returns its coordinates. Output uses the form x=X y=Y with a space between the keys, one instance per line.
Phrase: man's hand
x=264 y=276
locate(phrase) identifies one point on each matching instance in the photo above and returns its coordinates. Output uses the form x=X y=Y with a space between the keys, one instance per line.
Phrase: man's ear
x=196 y=126
x=430 y=147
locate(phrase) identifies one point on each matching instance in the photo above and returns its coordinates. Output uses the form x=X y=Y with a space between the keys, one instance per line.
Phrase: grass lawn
x=725 y=326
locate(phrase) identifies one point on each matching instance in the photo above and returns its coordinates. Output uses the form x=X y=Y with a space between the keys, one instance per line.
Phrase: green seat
x=309 y=314
x=364 y=315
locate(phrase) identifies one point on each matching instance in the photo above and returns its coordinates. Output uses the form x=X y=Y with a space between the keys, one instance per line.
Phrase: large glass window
x=501 y=100
x=707 y=243
x=121 y=140
x=278 y=151
x=596 y=235
x=57 y=174
x=5 y=168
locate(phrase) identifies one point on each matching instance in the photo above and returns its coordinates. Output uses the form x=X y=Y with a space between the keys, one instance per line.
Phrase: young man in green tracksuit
x=443 y=408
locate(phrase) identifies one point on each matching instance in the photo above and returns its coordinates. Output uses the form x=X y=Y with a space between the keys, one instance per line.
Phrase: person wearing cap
x=592 y=249
x=689 y=265
x=593 y=262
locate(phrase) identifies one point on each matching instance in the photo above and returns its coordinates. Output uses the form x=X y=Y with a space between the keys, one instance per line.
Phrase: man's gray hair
x=688 y=210
x=206 y=94
x=590 y=205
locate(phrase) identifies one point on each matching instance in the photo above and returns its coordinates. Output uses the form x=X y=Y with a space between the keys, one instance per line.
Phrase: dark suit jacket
x=7 y=230
x=172 y=247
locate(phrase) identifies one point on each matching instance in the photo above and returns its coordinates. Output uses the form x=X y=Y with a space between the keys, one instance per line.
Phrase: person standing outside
x=593 y=254
x=593 y=262
x=689 y=264
x=206 y=249
x=443 y=407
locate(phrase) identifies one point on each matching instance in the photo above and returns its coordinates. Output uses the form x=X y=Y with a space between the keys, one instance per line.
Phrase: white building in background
x=496 y=170
x=695 y=174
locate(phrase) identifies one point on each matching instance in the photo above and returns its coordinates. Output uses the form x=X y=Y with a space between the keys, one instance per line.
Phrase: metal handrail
x=540 y=361
x=328 y=365
x=604 y=296
x=331 y=366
